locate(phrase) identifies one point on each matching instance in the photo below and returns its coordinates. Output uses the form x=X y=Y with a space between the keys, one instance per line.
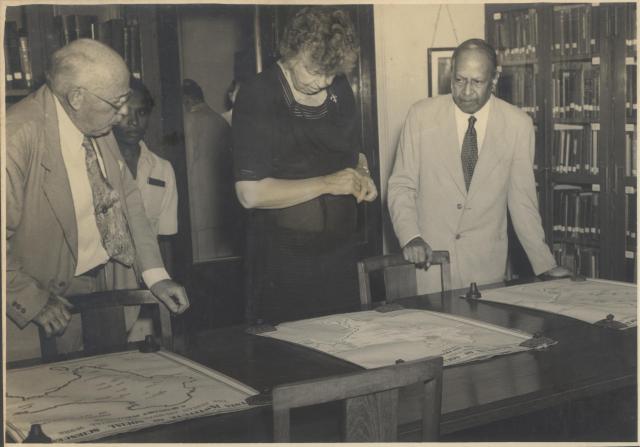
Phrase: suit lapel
x=56 y=182
x=492 y=148
x=450 y=152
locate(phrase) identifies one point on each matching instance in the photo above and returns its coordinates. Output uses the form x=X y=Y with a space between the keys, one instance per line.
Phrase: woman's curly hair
x=327 y=34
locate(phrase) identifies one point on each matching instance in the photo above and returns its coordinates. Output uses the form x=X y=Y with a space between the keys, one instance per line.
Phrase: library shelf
x=576 y=178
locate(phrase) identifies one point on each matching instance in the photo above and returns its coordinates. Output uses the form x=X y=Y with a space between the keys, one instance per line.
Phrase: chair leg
x=48 y=346
x=431 y=409
x=165 y=328
x=281 y=425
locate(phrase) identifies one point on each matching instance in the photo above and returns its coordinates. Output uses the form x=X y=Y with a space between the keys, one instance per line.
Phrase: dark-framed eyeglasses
x=116 y=105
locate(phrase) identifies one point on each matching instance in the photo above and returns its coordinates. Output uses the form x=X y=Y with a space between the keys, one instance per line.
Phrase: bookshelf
x=43 y=28
x=33 y=32
x=572 y=67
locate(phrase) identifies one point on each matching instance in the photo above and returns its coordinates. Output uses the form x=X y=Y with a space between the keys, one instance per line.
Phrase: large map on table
x=372 y=339
x=93 y=397
x=592 y=300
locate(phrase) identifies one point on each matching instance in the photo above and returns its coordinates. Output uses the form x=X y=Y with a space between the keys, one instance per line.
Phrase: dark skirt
x=295 y=274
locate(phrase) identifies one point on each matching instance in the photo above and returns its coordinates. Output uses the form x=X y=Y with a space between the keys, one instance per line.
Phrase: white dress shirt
x=157 y=184
x=462 y=123
x=91 y=252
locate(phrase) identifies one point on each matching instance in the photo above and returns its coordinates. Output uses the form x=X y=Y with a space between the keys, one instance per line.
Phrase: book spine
x=13 y=50
x=25 y=61
x=8 y=72
x=135 y=50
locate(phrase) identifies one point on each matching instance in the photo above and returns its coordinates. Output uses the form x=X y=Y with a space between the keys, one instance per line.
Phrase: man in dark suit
x=216 y=215
x=463 y=160
x=75 y=218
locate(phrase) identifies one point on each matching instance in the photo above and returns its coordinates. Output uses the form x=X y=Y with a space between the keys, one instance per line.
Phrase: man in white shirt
x=463 y=159
x=75 y=217
x=154 y=175
x=156 y=181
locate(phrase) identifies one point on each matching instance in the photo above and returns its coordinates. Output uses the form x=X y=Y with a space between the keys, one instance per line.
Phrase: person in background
x=75 y=219
x=215 y=213
x=230 y=100
x=300 y=170
x=463 y=159
x=155 y=179
x=154 y=175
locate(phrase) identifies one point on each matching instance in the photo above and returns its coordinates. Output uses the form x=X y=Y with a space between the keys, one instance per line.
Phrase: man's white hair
x=82 y=63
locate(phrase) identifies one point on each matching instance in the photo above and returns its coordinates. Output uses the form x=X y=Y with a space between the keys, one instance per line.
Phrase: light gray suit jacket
x=427 y=195
x=42 y=239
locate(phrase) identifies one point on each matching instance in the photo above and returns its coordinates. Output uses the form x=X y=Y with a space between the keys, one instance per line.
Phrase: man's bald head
x=86 y=63
x=91 y=81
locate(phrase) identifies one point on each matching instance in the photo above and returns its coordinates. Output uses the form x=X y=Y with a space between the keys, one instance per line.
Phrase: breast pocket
x=152 y=196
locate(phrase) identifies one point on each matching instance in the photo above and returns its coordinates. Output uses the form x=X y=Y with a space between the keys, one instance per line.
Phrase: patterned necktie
x=110 y=218
x=469 y=153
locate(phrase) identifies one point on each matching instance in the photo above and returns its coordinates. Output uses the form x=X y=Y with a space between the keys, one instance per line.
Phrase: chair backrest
x=370 y=400
x=399 y=276
x=103 y=321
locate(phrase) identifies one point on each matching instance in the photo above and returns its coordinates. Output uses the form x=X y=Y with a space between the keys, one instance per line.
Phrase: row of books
x=631 y=210
x=631 y=270
x=630 y=38
x=517 y=85
x=575 y=214
x=575 y=148
x=516 y=34
x=17 y=58
x=631 y=103
x=583 y=260
x=575 y=31
x=630 y=149
x=576 y=91
x=120 y=34
x=631 y=216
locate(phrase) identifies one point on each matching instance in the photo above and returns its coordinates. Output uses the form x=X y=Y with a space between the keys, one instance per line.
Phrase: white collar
x=145 y=154
x=482 y=119
x=70 y=135
x=481 y=115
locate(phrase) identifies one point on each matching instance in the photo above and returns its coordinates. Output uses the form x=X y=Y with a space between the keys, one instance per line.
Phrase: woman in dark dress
x=299 y=170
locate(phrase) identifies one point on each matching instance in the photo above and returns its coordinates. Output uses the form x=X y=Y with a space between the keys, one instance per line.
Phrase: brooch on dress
x=333 y=97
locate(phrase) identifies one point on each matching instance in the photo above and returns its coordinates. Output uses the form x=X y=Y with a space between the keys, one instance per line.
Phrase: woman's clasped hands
x=351 y=182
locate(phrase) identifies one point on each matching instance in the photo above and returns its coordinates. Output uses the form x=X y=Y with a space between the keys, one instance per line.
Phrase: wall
x=403 y=35
x=209 y=37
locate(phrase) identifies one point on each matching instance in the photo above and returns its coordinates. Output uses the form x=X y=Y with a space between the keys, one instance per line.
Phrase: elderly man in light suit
x=462 y=160
x=75 y=217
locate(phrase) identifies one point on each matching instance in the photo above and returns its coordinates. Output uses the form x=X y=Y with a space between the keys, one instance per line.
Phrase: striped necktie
x=469 y=153
x=110 y=218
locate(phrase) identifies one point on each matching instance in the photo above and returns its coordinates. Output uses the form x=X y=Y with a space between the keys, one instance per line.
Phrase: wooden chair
x=103 y=322
x=399 y=276
x=370 y=400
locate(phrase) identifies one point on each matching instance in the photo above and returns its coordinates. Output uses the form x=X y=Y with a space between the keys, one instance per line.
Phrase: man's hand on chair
x=172 y=295
x=54 y=316
x=418 y=252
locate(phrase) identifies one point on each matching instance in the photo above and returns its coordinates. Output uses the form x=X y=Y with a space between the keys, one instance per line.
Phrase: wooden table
x=587 y=361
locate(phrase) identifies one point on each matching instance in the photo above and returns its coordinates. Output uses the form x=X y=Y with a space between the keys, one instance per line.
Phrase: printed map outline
x=591 y=300
x=94 y=397
x=372 y=339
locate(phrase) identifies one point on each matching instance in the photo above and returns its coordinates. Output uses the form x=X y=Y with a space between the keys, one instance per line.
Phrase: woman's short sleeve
x=253 y=129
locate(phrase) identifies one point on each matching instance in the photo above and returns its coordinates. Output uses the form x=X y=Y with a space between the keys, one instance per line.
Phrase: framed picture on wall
x=439 y=66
